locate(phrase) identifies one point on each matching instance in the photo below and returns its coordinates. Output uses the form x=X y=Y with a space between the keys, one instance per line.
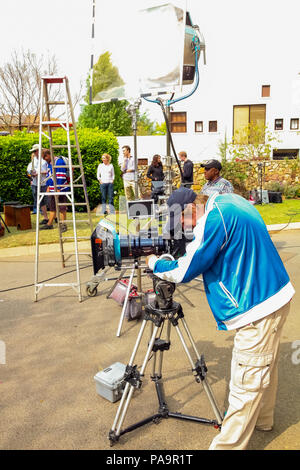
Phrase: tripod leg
x=116 y=282
x=129 y=388
x=205 y=385
x=125 y=302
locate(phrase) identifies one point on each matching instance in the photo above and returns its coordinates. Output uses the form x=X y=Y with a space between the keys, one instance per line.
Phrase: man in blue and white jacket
x=62 y=186
x=248 y=290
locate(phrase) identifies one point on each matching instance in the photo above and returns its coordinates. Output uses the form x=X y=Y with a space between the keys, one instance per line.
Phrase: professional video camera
x=110 y=248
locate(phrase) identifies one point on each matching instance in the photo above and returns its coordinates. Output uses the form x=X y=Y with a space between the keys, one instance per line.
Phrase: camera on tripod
x=110 y=248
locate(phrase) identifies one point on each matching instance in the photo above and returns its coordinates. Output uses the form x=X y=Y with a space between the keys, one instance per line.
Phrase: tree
x=20 y=89
x=252 y=142
x=111 y=116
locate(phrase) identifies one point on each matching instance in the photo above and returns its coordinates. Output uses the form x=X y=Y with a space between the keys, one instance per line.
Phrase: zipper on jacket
x=228 y=294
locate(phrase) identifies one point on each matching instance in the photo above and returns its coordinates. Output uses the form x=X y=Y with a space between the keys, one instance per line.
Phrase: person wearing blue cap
x=248 y=290
x=173 y=228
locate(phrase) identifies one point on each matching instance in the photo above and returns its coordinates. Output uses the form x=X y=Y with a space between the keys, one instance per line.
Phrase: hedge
x=15 y=156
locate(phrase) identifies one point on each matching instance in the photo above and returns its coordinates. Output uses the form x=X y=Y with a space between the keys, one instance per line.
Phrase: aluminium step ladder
x=67 y=122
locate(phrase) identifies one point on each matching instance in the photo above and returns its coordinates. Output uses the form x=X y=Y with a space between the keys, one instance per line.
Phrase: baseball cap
x=34 y=148
x=177 y=202
x=212 y=164
x=182 y=196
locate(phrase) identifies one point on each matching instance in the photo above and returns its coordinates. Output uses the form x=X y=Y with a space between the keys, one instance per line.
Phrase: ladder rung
x=53 y=79
x=79 y=221
x=64 y=284
x=55 y=102
x=56 y=123
x=53 y=193
x=70 y=203
x=78 y=238
x=74 y=185
x=63 y=146
x=70 y=221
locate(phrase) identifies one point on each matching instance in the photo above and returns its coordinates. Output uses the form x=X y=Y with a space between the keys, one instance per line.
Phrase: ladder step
x=56 y=102
x=53 y=79
x=70 y=221
x=53 y=193
x=78 y=238
x=74 y=185
x=56 y=123
x=64 y=284
x=63 y=146
x=70 y=204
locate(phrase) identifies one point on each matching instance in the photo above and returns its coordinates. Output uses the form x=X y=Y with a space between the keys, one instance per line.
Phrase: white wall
x=214 y=100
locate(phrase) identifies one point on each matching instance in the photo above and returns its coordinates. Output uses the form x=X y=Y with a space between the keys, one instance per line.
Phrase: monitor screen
x=140 y=209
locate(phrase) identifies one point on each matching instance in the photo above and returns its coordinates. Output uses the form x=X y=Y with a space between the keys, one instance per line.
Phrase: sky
x=244 y=39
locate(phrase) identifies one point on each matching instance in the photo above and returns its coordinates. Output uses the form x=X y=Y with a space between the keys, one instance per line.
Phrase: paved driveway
x=55 y=346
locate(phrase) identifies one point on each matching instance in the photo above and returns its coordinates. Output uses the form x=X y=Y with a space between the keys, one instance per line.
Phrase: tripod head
x=164 y=291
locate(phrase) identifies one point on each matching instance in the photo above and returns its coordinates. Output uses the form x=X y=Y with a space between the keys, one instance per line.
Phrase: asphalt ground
x=53 y=348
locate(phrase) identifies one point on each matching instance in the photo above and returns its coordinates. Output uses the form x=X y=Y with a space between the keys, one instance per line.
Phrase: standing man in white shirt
x=128 y=173
x=106 y=176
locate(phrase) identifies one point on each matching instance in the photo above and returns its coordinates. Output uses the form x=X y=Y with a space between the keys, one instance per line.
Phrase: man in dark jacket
x=188 y=168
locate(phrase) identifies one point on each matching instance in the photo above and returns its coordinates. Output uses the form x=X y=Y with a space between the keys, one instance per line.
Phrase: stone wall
x=285 y=172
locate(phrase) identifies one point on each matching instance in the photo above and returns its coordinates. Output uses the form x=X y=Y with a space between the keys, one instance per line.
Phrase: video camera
x=110 y=248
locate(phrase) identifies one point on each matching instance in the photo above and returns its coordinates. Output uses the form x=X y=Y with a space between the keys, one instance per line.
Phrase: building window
x=282 y=154
x=278 y=125
x=294 y=124
x=249 y=123
x=266 y=91
x=178 y=122
x=213 y=126
x=198 y=126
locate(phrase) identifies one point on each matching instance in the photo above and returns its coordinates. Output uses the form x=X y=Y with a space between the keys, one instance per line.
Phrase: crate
x=110 y=383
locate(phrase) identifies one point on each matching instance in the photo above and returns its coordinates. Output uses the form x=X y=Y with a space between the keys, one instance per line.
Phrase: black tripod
x=163 y=309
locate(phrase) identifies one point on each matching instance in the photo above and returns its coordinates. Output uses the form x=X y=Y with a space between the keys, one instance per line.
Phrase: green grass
x=288 y=211
x=28 y=237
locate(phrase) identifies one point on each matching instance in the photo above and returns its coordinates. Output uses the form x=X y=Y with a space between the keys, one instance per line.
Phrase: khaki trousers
x=253 y=384
x=129 y=188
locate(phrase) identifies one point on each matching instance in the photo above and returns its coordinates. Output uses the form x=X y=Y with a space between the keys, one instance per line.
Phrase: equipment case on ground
x=109 y=382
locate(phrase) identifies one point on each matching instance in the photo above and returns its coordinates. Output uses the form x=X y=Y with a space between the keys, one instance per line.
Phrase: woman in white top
x=106 y=176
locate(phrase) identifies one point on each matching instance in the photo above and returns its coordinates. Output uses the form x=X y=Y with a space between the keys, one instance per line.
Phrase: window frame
x=199 y=122
x=266 y=88
x=282 y=122
x=294 y=128
x=209 y=123
x=178 y=113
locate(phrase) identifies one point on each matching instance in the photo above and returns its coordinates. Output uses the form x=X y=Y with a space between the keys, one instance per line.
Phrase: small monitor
x=140 y=209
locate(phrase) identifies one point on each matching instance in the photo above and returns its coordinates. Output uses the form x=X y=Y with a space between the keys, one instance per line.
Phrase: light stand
x=132 y=111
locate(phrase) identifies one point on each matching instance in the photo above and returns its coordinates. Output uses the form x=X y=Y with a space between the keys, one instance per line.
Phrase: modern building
x=200 y=123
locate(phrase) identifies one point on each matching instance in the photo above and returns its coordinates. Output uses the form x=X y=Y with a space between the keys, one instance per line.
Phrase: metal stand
x=135 y=266
x=1 y=218
x=132 y=111
x=157 y=316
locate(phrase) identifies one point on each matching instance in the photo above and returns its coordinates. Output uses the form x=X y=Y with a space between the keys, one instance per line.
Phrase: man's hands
x=148 y=258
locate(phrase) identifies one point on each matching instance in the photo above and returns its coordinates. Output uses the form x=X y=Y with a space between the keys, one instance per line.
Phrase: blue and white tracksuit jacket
x=61 y=176
x=244 y=277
